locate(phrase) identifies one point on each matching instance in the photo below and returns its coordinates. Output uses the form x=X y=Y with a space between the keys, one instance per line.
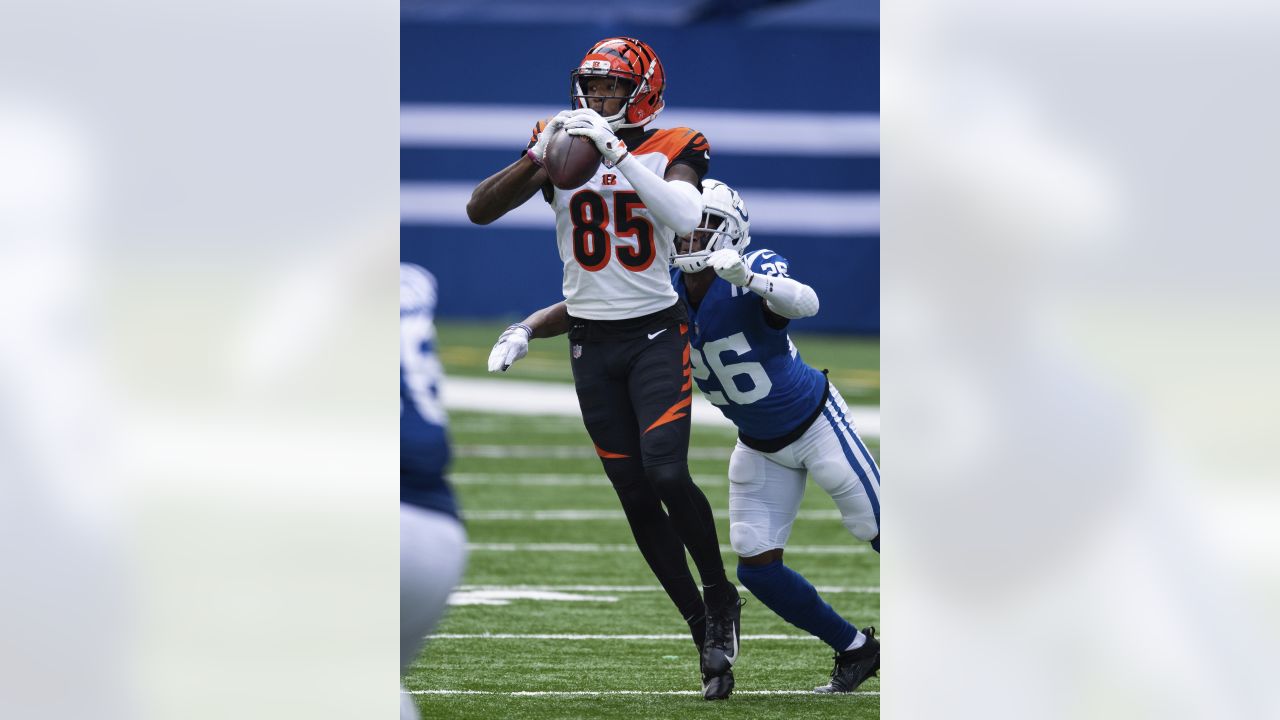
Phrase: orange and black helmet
x=626 y=60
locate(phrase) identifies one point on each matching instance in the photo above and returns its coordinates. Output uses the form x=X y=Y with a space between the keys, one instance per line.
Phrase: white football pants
x=433 y=553
x=765 y=489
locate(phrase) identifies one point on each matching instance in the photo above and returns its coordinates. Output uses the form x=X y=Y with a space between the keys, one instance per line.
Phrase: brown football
x=570 y=160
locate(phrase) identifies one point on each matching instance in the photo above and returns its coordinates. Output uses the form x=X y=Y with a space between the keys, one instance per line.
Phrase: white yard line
x=521 y=397
x=603 y=548
x=567 y=452
x=592 y=515
x=588 y=636
x=599 y=693
x=557 y=479
x=829 y=589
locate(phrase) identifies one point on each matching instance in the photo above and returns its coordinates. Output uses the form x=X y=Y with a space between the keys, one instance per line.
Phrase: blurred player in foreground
x=791 y=420
x=627 y=328
x=432 y=540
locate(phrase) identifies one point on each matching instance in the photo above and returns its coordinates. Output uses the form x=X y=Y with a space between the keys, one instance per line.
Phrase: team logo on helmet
x=629 y=61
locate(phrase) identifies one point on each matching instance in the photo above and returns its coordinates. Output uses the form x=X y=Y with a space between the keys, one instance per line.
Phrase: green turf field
x=464 y=348
x=519 y=504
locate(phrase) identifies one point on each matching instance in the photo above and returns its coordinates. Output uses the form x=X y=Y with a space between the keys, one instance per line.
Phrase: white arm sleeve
x=675 y=203
x=789 y=298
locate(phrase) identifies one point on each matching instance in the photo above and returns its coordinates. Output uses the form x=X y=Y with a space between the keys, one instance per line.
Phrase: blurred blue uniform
x=432 y=540
x=424 y=442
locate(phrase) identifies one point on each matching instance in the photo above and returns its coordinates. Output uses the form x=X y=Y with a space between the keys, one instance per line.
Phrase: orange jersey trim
x=673 y=142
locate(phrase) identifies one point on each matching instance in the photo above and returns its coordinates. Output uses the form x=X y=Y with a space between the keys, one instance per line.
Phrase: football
x=570 y=160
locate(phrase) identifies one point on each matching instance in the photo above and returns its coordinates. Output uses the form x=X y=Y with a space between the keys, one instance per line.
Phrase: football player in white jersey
x=628 y=330
x=792 y=422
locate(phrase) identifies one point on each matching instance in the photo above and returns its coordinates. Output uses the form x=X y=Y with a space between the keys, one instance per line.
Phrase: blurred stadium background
x=788 y=95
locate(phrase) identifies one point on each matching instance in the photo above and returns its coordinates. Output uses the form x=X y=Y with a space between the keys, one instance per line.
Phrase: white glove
x=512 y=345
x=588 y=123
x=539 y=149
x=730 y=265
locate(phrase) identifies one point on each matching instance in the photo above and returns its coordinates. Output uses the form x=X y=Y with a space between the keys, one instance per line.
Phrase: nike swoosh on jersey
x=654 y=335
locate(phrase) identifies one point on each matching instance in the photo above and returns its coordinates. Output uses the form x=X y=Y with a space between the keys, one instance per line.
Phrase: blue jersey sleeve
x=768 y=262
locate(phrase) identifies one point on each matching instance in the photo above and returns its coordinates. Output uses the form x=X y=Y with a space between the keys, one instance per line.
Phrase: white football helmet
x=724 y=225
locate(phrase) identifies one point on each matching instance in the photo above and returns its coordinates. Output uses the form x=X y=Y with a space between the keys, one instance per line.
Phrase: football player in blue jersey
x=792 y=422
x=432 y=540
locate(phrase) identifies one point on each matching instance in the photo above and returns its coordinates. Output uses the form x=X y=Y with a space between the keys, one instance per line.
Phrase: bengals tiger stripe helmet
x=625 y=59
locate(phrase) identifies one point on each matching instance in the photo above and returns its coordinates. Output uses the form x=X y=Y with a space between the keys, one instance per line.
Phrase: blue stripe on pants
x=853 y=462
x=871 y=462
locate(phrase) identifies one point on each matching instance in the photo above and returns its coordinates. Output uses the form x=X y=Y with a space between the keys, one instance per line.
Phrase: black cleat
x=854 y=667
x=720 y=651
x=717 y=687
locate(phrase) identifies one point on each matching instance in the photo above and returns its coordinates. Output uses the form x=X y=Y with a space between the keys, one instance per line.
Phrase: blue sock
x=875 y=544
x=795 y=600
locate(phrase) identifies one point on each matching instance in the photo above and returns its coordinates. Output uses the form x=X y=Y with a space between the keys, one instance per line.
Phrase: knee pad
x=748 y=540
x=624 y=473
x=864 y=529
x=638 y=499
x=668 y=475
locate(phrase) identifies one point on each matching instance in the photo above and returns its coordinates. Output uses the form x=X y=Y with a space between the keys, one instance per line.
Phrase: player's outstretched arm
x=550 y=321
x=784 y=296
x=513 y=344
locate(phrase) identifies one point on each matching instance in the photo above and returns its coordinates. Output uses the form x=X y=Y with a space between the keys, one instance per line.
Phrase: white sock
x=858 y=641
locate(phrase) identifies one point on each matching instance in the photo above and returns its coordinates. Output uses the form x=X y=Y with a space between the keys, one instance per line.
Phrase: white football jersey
x=616 y=255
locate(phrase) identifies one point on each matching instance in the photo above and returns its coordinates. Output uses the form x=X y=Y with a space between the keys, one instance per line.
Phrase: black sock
x=698 y=629
x=720 y=594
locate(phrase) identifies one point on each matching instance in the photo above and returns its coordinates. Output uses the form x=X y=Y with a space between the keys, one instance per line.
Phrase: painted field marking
x=598 y=693
x=601 y=548
x=830 y=589
x=586 y=515
x=504 y=596
x=523 y=397
x=567 y=452
x=557 y=479
x=590 y=636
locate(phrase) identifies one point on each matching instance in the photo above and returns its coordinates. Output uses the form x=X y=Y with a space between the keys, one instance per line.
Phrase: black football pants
x=635 y=388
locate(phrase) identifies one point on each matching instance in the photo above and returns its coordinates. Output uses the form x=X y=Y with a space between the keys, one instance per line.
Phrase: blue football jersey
x=750 y=370
x=424 y=441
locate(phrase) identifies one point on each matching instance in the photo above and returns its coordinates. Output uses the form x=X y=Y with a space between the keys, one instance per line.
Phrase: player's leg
x=661 y=389
x=610 y=421
x=433 y=550
x=840 y=464
x=764 y=497
x=660 y=384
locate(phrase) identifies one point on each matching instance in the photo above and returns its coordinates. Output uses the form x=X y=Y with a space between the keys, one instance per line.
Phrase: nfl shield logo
x=577 y=351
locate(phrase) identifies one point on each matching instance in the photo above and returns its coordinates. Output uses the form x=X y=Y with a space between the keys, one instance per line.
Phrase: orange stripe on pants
x=672 y=414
